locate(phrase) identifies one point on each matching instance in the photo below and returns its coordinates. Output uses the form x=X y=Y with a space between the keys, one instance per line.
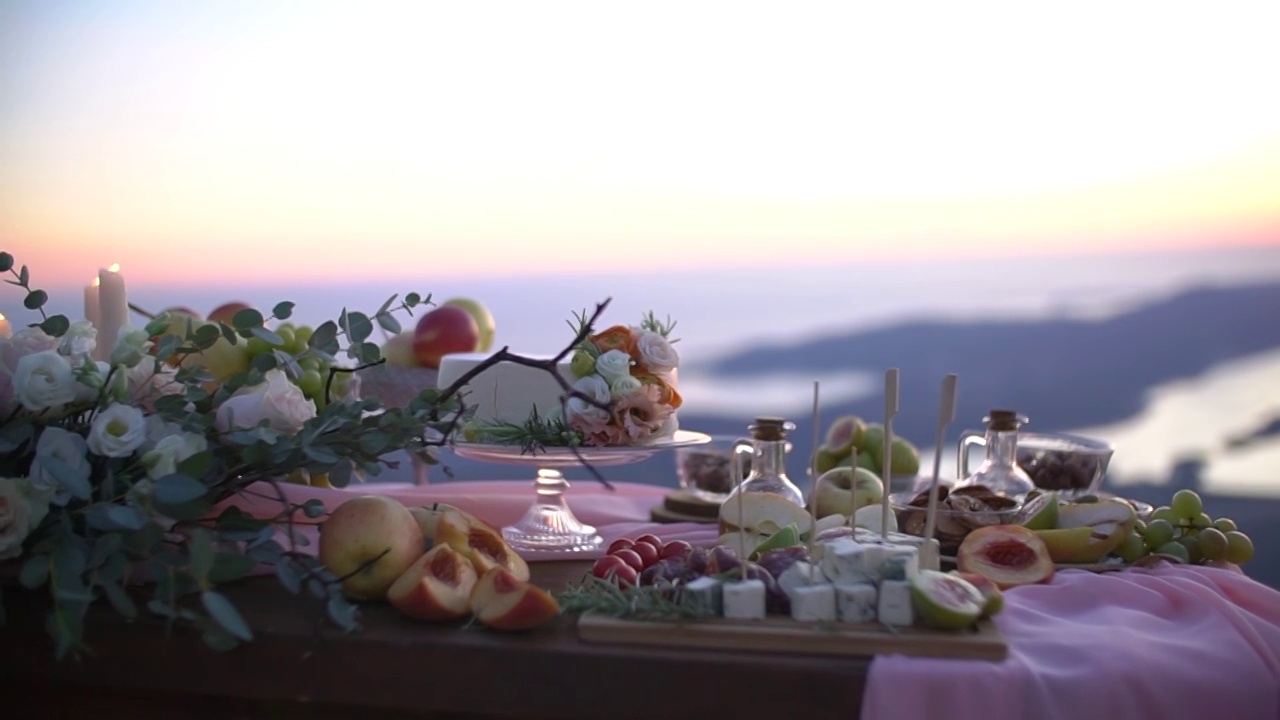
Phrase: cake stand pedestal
x=549 y=525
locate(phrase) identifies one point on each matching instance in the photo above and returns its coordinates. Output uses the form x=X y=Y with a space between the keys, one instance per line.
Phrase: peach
x=443 y=331
x=437 y=586
x=504 y=602
x=1008 y=555
x=480 y=544
x=370 y=541
x=226 y=311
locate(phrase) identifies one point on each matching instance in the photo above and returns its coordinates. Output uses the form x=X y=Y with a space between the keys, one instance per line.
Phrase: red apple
x=504 y=602
x=370 y=540
x=443 y=331
x=482 y=316
x=480 y=544
x=435 y=587
x=225 y=312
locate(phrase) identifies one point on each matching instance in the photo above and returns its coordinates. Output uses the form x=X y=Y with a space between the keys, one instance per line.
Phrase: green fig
x=843 y=435
x=945 y=601
x=904 y=458
x=824 y=460
x=871 y=442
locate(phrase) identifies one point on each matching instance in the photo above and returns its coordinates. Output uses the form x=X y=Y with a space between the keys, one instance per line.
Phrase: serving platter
x=566 y=457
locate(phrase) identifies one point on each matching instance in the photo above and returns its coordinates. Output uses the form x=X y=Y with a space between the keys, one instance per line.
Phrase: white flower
x=64 y=447
x=21 y=510
x=278 y=401
x=656 y=354
x=171 y=450
x=44 y=380
x=78 y=341
x=131 y=348
x=151 y=379
x=594 y=387
x=613 y=365
x=117 y=431
x=624 y=386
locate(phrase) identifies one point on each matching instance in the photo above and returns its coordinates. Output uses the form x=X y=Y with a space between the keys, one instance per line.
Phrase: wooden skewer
x=813 y=493
x=890 y=409
x=946 y=416
x=853 y=491
x=742 y=532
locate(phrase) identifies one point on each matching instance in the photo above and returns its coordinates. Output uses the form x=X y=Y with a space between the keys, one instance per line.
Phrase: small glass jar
x=1000 y=472
x=768 y=474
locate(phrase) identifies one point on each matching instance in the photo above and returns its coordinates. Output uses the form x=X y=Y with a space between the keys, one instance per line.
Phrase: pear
x=1087 y=532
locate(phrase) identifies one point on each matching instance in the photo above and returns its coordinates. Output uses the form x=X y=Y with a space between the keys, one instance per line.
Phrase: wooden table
x=400 y=668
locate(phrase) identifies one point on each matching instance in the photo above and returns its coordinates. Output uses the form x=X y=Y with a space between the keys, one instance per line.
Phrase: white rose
x=171 y=450
x=78 y=341
x=624 y=386
x=656 y=353
x=613 y=365
x=594 y=387
x=21 y=511
x=44 y=380
x=67 y=448
x=131 y=348
x=278 y=401
x=117 y=431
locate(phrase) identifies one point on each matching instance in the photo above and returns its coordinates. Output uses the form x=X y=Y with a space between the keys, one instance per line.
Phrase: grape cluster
x=314 y=371
x=1183 y=530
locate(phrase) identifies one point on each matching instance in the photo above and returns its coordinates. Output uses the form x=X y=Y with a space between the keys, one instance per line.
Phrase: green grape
x=1213 y=543
x=286 y=335
x=257 y=346
x=1132 y=548
x=1140 y=527
x=303 y=334
x=1159 y=532
x=1226 y=525
x=1164 y=512
x=1175 y=549
x=1186 y=504
x=312 y=384
x=1202 y=521
x=1239 y=547
x=1192 y=544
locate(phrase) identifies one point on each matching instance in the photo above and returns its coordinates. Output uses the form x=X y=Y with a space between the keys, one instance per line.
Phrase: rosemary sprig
x=536 y=433
x=654 y=603
x=651 y=323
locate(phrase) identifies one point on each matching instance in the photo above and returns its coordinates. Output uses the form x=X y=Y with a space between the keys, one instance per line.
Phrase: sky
x=311 y=141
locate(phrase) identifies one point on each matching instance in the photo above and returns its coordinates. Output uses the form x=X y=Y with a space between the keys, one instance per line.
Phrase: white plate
x=563 y=457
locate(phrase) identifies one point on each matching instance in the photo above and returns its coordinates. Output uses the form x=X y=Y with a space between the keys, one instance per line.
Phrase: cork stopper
x=1004 y=420
x=770 y=428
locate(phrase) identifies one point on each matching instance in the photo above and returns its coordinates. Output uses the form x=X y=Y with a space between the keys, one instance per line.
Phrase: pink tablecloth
x=1167 y=642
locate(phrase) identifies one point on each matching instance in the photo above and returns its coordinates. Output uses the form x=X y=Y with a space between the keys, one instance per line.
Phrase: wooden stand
x=684 y=506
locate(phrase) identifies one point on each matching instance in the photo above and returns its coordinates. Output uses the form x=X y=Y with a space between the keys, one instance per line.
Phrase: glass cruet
x=1000 y=472
x=769 y=446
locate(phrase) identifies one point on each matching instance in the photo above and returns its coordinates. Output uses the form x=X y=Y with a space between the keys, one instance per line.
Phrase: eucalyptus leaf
x=190 y=510
x=412 y=299
x=268 y=552
x=389 y=323
x=360 y=327
x=177 y=488
x=55 y=325
x=35 y=299
x=104 y=547
x=267 y=336
x=225 y=614
x=283 y=310
x=6 y=262
x=228 y=566
x=320 y=454
x=374 y=443
x=198 y=465
x=313 y=508
x=325 y=338
x=246 y=319
x=265 y=362
x=288 y=575
x=35 y=572
x=200 y=550
x=206 y=336
x=343 y=613
x=368 y=353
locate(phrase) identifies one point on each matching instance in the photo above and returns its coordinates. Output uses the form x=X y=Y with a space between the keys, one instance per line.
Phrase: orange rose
x=667 y=394
x=618 y=337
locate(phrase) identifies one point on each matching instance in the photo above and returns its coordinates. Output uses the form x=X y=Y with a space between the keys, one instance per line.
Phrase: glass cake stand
x=549 y=524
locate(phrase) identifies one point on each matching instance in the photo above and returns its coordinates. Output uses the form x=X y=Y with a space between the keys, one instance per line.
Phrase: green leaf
x=6 y=262
x=225 y=614
x=190 y=510
x=15 y=433
x=55 y=325
x=320 y=454
x=288 y=575
x=412 y=299
x=264 y=363
x=109 y=516
x=120 y=599
x=359 y=327
x=197 y=465
x=283 y=310
x=247 y=318
x=24 y=277
x=35 y=572
x=368 y=352
x=176 y=489
x=228 y=332
x=206 y=336
x=325 y=338
x=167 y=346
x=267 y=336
x=229 y=566
x=340 y=475
x=104 y=547
x=343 y=613
x=313 y=508
x=268 y=552
x=389 y=323
x=200 y=550
x=157 y=325
x=142 y=542
x=375 y=442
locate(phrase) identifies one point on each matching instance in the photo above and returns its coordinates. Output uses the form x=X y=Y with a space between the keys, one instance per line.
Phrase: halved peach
x=436 y=587
x=480 y=543
x=504 y=602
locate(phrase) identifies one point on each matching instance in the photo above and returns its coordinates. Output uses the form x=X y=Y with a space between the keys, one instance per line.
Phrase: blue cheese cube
x=843 y=562
x=856 y=603
x=743 y=600
x=902 y=563
x=706 y=594
x=800 y=574
x=895 y=603
x=814 y=603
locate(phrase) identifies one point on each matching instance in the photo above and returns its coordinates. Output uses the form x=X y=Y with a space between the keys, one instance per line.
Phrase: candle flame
x=115 y=267
x=1 y=316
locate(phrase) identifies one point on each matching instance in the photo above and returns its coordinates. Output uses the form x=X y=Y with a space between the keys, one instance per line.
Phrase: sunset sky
x=310 y=140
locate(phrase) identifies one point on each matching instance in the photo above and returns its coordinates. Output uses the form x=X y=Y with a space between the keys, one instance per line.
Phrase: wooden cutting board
x=784 y=635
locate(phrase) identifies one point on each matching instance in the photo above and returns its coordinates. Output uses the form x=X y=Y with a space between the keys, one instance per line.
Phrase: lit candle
x=5 y=330
x=113 y=309
x=91 y=303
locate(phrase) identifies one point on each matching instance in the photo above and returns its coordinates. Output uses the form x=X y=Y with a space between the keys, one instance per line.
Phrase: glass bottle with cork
x=999 y=472
x=768 y=447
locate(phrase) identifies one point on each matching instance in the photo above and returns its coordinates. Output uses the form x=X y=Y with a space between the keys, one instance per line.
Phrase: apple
x=443 y=331
x=505 y=602
x=369 y=541
x=180 y=319
x=226 y=311
x=437 y=586
x=398 y=351
x=836 y=491
x=482 y=316
x=222 y=359
x=480 y=544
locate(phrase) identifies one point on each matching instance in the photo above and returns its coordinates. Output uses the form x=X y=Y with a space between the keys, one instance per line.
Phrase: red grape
x=619 y=544
x=648 y=553
x=630 y=557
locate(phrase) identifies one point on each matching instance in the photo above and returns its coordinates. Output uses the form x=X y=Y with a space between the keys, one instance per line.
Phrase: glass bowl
x=704 y=470
x=1069 y=464
x=958 y=514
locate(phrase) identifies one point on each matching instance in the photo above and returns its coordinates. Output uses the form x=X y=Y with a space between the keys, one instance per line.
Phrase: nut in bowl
x=959 y=513
x=1068 y=464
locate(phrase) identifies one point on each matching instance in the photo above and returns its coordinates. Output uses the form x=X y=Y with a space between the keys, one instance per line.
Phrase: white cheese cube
x=843 y=562
x=814 y=603
x=902 y=563
x=706 y=593
x=872 y=560
x=863 y=535
x=744 y=599
x=895 y=603
x=856 y=603
x=930 y=555
x=800 y=574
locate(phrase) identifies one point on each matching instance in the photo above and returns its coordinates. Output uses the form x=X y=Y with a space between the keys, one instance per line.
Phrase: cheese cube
x=744 y=599
x=863 y=535
x=843 y=562
x=902 y=563
x=814 y=603
x=800 y=574
x=895 y=603
x=706 y=593
x=930 y=555
x=856 y=603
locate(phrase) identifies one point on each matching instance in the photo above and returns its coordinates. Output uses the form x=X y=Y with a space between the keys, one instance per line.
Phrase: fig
x=697 y=559
x=1008 y=555
x=904 y=458
x=945 y=601
x=824 y=460
x=871 y=443
x=669 y=571
x=842 y=436
x=722 y=559
x=775 y=598
x=777 y=561
x=1039 y=513
x=995 y=598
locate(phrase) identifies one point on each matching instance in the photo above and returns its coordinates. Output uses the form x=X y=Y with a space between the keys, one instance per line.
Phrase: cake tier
x=506 y=392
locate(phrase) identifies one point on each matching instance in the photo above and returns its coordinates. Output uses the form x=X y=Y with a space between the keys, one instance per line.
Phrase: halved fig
x=1008 y=555
x=945 y=601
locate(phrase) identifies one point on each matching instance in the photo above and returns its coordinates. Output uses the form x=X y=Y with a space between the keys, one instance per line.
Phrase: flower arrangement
x=118 y=477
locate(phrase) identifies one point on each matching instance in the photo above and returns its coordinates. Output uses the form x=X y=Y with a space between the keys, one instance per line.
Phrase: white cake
x=506 y=392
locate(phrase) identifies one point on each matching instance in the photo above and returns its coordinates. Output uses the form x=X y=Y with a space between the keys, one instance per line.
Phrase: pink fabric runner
x=1166 y=642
